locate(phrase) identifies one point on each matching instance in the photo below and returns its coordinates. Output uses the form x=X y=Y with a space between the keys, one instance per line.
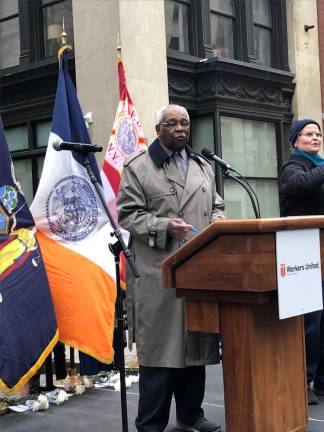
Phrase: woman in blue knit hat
x=301 y=192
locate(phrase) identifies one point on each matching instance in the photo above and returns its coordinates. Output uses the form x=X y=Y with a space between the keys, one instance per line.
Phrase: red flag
x=126 y=138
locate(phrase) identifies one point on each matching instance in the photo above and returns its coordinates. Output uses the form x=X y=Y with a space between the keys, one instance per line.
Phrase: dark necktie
x=181 y=164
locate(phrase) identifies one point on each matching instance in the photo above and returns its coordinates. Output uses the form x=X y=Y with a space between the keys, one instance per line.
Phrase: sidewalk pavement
x=99 y=410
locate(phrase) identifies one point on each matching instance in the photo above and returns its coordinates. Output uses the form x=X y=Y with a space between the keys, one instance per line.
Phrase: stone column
x=303 y=53
x=138 y=25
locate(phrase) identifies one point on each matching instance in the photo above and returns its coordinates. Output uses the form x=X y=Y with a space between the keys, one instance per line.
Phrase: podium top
x=258 y=260
x=232 y=226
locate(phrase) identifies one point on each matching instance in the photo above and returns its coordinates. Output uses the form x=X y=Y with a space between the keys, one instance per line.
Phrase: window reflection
x=262 y=39
x=28 y=146
x=250 y=147
x=225 y=6
x=202 y=133
x=9 y=34
x=222 y=27
x=238 y=204
x=40 y=164
x=222 y=36
x=8 y=8
x=262 y=12
x=53 y=15
x=176 y=20
x=42 y=133
x=23 y=172
x=17 y=138
x=262 y=18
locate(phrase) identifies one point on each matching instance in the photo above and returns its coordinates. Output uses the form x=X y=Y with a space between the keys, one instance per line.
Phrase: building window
x=202 y=132
x=9 y=34
x=250 y=147
x=262 y=19
x=177 y=25
x=30 y=30
x=53 y=13
x=27 y=144
x=222 y=27
x=250 y=30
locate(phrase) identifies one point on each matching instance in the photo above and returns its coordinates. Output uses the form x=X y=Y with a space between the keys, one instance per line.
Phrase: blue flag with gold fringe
x=28 y=329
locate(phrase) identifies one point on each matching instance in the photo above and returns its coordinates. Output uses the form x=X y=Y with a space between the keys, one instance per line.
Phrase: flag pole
x=127 y=128
x=48 y=361
x=116 y=249
x=72 y=371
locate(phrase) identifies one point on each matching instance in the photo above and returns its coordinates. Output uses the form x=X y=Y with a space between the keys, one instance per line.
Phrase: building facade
x=243 y=69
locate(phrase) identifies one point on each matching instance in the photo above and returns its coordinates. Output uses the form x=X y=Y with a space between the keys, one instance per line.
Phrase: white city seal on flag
x=71 y=209
x=126 y=136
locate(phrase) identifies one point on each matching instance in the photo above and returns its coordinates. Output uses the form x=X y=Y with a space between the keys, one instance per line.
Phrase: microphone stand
x=116 y=248
x=247 y=187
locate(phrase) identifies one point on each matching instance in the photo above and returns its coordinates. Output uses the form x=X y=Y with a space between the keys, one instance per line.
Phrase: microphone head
x=57 y=145
x=206 y=153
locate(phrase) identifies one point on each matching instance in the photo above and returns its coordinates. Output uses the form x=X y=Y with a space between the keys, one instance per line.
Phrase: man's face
x=174 y=129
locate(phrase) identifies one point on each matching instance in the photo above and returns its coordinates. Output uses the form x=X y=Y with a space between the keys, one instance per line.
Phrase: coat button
x=172 y=189
x=184 y=241
x=180 y=214
x=203 y=188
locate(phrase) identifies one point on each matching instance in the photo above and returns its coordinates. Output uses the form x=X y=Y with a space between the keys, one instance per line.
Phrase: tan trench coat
x=151 y=193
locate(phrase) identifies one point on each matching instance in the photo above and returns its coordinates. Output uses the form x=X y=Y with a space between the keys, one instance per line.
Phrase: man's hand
x=178 y=229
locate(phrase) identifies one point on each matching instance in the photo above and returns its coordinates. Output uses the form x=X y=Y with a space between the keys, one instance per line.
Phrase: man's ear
x=157 y=128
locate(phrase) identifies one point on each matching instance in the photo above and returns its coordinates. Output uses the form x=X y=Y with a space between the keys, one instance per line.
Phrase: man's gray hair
x=159 y=114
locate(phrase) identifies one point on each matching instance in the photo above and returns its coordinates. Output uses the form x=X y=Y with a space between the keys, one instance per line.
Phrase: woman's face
x=309 y=139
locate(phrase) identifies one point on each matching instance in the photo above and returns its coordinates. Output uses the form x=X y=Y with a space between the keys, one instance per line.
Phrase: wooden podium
x=228 y=273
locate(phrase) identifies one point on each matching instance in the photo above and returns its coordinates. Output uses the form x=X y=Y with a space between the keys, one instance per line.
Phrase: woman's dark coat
x=301 y=188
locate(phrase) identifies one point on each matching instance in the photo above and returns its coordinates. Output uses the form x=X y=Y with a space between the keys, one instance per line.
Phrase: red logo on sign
x=282 y=270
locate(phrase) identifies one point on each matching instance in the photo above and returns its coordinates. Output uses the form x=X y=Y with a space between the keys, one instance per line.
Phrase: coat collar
x=159 y=156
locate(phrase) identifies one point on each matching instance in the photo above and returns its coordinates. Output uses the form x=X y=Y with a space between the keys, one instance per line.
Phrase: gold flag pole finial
x=63 y=34
x=63 y=42
x=119 y=55
x=119 y=52
x=119 y=49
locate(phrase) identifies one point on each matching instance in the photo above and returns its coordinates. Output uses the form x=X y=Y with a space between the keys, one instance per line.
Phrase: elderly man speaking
x=167 y=193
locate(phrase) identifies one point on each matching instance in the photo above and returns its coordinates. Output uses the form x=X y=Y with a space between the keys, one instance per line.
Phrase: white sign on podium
x=298 y=272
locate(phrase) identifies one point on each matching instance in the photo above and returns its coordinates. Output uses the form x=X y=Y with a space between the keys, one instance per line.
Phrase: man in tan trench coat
x=166 y=193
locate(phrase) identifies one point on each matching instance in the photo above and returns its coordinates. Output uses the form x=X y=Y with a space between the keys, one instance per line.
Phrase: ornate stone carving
x=251 y=92
x=182 y=85
x=206 y=87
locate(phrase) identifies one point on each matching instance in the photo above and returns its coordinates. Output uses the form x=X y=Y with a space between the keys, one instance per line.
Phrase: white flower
x=41 y=403
x=61 y=397
x=117 y=386
x=87 y=382
x=36 y=406
x=79 y=389
x=115 y=378
x=128 y=381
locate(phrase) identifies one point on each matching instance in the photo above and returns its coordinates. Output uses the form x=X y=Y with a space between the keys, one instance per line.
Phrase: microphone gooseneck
x=226 y=168
x=80 y=148
x=212 y=156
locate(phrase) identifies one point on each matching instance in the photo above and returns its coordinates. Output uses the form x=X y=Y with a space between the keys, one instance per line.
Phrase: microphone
x=212 y=156
x=77 y=147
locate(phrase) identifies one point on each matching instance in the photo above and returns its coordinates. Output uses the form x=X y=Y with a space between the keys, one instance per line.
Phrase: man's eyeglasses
x=172 y=124
x=311 y=134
